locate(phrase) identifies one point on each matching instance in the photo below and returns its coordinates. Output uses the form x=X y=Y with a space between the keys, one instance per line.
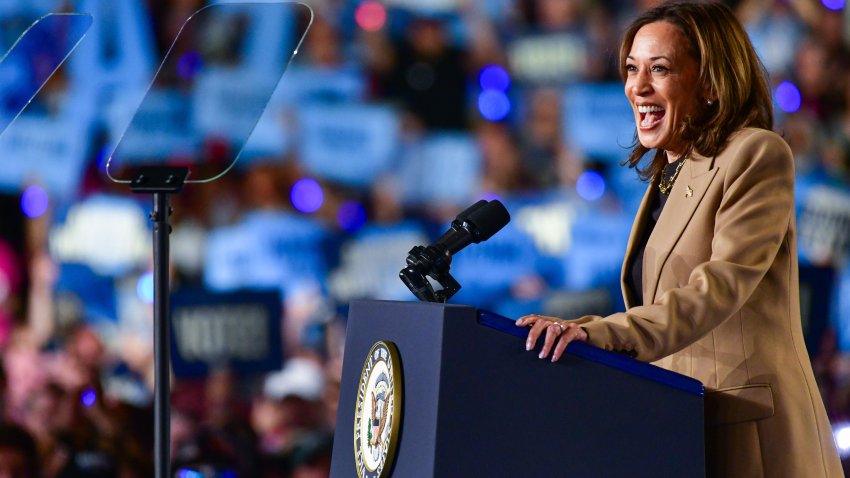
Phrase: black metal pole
x=162 y=355
x=161 y=181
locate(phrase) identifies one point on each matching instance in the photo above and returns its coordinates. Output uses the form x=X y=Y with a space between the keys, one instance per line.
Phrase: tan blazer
x=721 y=297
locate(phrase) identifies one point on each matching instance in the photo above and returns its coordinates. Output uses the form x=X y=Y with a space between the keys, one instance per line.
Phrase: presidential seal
x=378 y=412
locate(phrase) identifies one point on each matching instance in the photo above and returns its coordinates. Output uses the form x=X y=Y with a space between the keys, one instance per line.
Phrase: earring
x=709 y=102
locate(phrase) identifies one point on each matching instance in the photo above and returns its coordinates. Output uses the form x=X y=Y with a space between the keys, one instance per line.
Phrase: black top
x=634 y=276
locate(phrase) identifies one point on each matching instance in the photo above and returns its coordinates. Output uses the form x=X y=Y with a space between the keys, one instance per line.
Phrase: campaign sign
x=267 y=249
x=371 y=260
x=487 y=271
x=45 y=150
x=443 y=168
x=349 y=143
x=108 y=234
x=119 y=51
x=81 y=290
x=161 y=129
x=552 y=58
x=239 y=330
x=226 y=102
x=305 y=85
x=598 y=120
x=427 y=6
x=595 y=255
x=824 y=232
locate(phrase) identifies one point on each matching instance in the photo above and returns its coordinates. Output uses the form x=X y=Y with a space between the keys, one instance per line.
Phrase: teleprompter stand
x=221 y=96
x=160 y=181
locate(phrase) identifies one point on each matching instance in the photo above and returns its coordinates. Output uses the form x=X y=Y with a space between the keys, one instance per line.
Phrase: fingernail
x=554 y=359
x=541 y=355
x=528 y=346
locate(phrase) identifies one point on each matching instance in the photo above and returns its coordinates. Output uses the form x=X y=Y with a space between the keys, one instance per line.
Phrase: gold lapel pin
x=689 y=192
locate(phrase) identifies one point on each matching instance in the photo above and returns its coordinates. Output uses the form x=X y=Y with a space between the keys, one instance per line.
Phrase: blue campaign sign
x=95 y=294
x=268 y=41
x=119 y=50
x=598 y=120
x=443 y=168
x=40 y=7
x=824 y=224
x=271 y=249
x=349 y=143
x=487 y=271
x=371 y=260
x=225 y=101
x=548 y=58
x=239 y=330
x=108 y=234
x=628 y=187
x=595 y=256
x=273 y=135
x=547 y=218
x=163 y=129
x=303 y=85
x=45 y=150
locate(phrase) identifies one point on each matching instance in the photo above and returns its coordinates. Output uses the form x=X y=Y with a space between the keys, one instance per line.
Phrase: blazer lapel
x=687 y=192
x=634 y=238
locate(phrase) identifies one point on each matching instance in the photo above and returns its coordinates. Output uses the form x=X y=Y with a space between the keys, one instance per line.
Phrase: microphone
x=475 y=224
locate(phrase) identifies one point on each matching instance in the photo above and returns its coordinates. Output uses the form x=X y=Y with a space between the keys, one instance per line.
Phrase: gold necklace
x=665 y=187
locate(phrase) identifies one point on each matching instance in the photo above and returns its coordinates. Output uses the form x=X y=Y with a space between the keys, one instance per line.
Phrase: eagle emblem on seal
x=378 y=412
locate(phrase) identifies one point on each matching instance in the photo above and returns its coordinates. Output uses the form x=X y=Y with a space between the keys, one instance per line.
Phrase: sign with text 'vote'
x=238 y=330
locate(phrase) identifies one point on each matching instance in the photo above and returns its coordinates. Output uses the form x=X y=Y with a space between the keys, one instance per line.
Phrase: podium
x=475 y=403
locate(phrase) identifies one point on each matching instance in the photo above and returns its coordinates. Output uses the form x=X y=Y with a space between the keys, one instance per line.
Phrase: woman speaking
x=710 y=276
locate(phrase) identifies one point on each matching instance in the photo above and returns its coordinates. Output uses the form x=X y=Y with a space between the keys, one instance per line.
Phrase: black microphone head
x=464 y=215
x=487 y=220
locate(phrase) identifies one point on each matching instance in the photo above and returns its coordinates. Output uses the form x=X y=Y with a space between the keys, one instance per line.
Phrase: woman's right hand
x=557 y=334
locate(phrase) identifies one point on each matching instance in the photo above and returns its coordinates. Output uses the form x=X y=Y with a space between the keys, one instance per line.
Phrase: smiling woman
x=710 y=278
x=661 y=77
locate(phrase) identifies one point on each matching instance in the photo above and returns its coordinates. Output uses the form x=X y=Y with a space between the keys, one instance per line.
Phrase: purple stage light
x=494 y=77
x=306 y=195
x=590 y=185
x=833 y=4
x=187 y=473
x=34 y=201
x=788 y=97
x=494 y=105
x=88 y=397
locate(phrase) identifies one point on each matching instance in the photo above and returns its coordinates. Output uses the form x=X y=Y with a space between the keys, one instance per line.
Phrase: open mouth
x=650 y=116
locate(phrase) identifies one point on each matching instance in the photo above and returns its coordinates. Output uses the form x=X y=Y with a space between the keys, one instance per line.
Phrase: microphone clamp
x=432 y=261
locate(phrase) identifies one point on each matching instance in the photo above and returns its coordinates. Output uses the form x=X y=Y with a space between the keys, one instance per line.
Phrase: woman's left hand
x=558 y=334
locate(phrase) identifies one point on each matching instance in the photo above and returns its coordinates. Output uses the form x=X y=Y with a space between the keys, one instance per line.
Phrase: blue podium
x=474 y=403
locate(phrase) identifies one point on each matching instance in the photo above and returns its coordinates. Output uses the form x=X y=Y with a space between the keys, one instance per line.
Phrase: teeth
x=649 y=109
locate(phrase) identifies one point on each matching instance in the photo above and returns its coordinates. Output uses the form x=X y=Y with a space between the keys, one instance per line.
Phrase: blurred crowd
x=394 y=116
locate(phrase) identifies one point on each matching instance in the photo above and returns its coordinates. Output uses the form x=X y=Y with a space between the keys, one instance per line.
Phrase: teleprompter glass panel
x=31 y=59
x=211 y=89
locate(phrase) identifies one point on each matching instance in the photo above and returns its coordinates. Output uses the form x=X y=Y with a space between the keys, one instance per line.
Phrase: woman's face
x=662 y=84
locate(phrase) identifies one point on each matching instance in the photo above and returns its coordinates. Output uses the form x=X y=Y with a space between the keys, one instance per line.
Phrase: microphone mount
x=475 y=224
x=432 y=261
